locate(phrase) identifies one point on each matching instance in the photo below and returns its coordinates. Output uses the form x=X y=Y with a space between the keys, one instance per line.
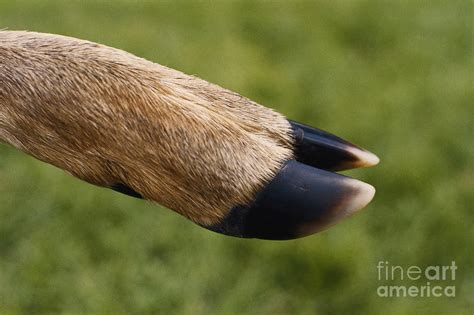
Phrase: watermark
x=437 y=281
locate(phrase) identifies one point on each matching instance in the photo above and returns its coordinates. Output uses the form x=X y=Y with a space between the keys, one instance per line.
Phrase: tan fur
x=109 y=117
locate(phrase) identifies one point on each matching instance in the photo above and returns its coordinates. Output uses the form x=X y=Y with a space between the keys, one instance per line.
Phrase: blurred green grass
x=395 y=77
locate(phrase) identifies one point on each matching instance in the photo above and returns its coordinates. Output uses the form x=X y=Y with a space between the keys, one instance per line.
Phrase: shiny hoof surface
x=305 y=197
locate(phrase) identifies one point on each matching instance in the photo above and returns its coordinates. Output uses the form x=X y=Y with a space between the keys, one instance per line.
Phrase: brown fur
x=109 y=117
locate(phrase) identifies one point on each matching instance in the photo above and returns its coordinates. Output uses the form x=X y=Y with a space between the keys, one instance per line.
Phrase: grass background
x=393 y=76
